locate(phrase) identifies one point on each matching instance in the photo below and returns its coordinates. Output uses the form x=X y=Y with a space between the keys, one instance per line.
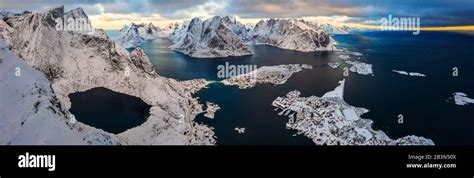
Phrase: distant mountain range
x=225 y=36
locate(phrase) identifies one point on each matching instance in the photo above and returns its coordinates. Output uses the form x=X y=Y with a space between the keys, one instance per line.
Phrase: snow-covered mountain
x=179 y=31
x=30 y=111
x=6 y=13
x=335 y=30
x=73 y=62
x=249 y=27
x=225 y=36
x=238 y=28
x=168 y=30
x=211 y=38
x=81 y=20
x=77 y=13
x=134 y=35
x=291 y=34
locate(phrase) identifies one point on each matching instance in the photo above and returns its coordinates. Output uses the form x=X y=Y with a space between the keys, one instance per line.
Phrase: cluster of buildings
x=331 y=121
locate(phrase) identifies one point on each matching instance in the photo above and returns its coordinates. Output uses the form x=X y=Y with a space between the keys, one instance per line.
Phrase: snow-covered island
x=356 y=66
x=213 y=38
x=211 y=109
x=360 y=67
x=413 y=74
x=344 y=57
x=239 y=130
x=56 y=63
x=275 y=75
x=334 y=65
x=329 y=120
x=462 y=99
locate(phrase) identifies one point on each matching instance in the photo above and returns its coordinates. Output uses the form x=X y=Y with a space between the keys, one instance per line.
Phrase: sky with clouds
x=115 y=13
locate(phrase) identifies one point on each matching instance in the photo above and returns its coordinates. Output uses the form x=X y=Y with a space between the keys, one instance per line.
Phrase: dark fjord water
x=108 y=110
x=422 y=101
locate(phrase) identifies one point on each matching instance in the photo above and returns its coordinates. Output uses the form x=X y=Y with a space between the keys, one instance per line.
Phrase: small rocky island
x=413 y=74
x=360 y=67
x=239 y=130
x=462 y=99
x=334 y=65
x=354 y=66
x=275 y=75
x=211 y=110
x=329 y=120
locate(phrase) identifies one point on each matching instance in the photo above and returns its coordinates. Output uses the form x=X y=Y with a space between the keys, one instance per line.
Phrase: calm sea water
x=423 y=102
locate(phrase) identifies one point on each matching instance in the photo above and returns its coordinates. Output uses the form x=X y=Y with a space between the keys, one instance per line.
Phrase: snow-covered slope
x=179 y=31
x=211 y=38
x=74 y=62
x=291 y=34
x=249 y=27
x=31 y=113
x=81 y=23
x=238 y=28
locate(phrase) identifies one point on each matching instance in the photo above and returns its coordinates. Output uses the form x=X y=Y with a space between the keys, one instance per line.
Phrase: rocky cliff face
x=140 y=59
x=81 y=20
x=211 y=38
x=74 y=62
x=291 y=34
